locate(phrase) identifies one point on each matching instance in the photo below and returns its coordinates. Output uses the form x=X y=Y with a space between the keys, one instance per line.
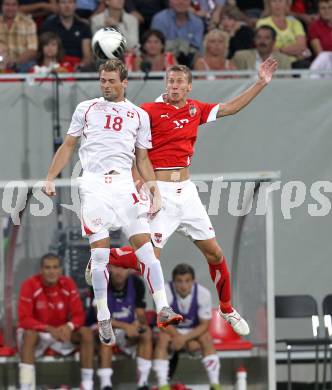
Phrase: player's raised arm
x=60 y=160
x=265 y=73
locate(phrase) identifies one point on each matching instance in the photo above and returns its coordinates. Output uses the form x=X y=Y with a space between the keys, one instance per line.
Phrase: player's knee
x=193 y=346
x=87 y=336
x=205 y=338
x=30 y=337
x=99 y=258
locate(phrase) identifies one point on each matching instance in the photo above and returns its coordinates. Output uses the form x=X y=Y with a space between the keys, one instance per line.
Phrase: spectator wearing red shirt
x=320 y=31
x=51 y=315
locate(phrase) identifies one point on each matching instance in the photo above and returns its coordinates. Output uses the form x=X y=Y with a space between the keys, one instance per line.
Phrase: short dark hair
x=49 y=255
x=183 y=269
x=115 y=65
x=180 y=68
x=267 y=28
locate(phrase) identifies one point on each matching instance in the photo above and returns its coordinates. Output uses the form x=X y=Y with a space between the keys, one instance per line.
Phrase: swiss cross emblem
x=130 y=114
x=158 y=237
x=192 y=110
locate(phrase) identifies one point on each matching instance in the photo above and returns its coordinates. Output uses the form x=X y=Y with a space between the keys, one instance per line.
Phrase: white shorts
x=111 y=202
x=182 y=211
x=45 y=341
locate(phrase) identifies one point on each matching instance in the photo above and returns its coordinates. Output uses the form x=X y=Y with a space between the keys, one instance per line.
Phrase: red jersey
x=174 y=130
x=40 y=305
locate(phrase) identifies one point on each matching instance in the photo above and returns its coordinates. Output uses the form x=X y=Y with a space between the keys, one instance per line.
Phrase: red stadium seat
x=224 y=337
x=5 y=351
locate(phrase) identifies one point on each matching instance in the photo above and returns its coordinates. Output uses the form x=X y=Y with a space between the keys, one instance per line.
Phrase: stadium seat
x=6 y=351
x=224 y=337
x=302 y=307
x=327 y=313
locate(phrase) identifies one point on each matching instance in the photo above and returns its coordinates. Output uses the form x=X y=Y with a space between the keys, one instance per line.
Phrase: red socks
x=221 y=278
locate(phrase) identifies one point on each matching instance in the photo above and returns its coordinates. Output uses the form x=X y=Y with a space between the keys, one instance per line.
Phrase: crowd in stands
x=51 y=317
x=202 y=34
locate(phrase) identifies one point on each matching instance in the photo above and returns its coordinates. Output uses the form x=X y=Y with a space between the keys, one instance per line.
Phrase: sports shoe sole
x=173 y=321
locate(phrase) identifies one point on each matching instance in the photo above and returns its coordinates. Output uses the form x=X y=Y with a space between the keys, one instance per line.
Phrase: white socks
x=161 y=368
x=99 y=261
x=27 y=375
x=153 y=274
x=143 y=371
x=105 y=375
x=87 y=378
x=212 y=366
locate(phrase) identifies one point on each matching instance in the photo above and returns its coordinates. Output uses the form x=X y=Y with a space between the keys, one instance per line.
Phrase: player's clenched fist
x=49 y=188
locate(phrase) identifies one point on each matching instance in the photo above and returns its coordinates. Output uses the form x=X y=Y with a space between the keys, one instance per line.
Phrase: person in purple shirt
x=193 y=301
x=183 y=30
x=126 y=300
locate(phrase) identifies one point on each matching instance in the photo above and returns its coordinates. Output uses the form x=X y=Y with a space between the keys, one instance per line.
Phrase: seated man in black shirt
x=75 y=35
x=126 y=300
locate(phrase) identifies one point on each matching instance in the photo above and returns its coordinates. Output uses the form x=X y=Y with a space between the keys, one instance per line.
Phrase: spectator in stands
x=50 y=55
x=320 y=31
x=241 y=35
x=194 y=303
x=153 y=57
x=74 y=34
x=291 y=38
x=126 y=298
x=304 y=10
x=39 y=10
x=144 y=10
x=18 y=31
x=206 y=9
x=51 y=315
x=115 y=16
x=183 y=30
x=215 y=52
x=4 y=58
x=265 y=38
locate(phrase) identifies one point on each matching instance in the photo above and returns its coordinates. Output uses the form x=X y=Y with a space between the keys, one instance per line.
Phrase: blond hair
x=219 y=34
x=180 y=68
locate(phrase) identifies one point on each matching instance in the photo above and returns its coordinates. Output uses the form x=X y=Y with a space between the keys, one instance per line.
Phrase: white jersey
x=203 y=299
x=110 y=132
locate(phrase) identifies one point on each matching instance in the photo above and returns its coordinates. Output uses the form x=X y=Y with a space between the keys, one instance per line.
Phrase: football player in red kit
x=174 y=122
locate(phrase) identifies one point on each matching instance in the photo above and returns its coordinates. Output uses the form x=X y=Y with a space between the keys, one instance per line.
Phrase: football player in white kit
x=113 y=132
